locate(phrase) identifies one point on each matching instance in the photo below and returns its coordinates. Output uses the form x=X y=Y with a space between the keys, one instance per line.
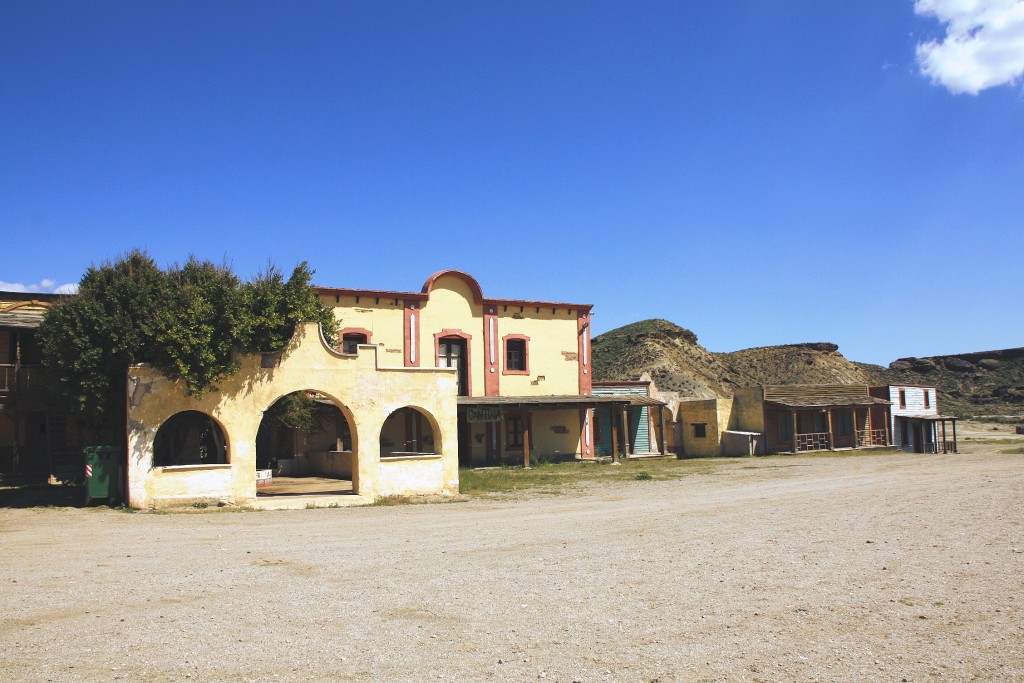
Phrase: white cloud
x=45 y=286
x=983 y=46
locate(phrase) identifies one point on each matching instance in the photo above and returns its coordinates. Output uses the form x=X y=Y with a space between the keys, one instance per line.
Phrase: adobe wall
x=365 y=389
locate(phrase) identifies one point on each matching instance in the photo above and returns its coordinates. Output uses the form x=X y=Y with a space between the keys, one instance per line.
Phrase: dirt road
x=889 y=568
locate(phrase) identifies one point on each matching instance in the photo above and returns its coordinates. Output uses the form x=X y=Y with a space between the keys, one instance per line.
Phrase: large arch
x=306 y=440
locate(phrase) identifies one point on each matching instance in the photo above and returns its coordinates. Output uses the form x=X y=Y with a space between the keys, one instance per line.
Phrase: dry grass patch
x=560 y=477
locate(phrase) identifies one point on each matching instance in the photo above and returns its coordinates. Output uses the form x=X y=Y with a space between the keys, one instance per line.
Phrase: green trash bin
x=101 y=473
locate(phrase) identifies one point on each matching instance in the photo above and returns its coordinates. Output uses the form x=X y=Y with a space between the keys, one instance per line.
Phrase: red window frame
x=505 y=370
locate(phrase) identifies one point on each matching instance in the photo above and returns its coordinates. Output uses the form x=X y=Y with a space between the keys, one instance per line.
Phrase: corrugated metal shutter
x=640 y=424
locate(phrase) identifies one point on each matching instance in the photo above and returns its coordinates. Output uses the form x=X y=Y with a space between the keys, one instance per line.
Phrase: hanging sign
x=484 y=414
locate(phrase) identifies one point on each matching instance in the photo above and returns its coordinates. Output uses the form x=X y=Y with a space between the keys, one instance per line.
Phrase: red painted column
x=412 y=335
x=492 y=351
x=583 y=341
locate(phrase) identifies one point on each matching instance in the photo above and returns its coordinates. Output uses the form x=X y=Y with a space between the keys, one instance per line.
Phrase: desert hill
x=969 y=384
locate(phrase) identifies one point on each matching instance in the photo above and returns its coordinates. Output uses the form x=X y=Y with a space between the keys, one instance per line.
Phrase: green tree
x=190 y=322
x=89 y=339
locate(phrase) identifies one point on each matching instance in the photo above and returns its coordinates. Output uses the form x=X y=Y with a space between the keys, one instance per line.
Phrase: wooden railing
x=25 y=378
x=949 y=446
x=817 y=441
x=871 y=437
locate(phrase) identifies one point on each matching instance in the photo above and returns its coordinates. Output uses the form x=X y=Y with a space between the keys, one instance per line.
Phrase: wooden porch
x=799 y=419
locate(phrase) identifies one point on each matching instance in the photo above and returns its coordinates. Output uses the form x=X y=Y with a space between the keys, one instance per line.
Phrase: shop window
x=700 y=430
x=513 y=432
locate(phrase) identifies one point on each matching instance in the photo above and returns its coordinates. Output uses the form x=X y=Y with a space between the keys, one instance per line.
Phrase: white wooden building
x=917 y=426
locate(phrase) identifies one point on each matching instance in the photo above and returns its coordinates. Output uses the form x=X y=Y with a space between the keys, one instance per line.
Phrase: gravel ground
x=888 y=568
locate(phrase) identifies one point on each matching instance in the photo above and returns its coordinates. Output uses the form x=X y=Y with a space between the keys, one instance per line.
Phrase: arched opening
x=305 y=446
x=409 y=431
x=189 y=438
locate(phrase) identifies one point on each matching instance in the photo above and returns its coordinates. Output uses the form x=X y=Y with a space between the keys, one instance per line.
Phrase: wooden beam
x=615 y=434
x=793 y=417
x=661 y=423
x=627 y=446
x=526 y=439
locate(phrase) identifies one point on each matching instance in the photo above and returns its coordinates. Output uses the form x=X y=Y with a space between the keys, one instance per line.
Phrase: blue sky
x=761 y=171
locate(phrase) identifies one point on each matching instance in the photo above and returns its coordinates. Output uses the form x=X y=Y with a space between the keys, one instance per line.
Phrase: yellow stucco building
x=522 y=367
x=420 y=384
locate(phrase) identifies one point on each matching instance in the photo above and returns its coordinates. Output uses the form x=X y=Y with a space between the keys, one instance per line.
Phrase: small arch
x=190 y=437
x=474 y=286
x=410 y=430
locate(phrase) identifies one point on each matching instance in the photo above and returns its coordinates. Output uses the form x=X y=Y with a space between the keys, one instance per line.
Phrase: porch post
x=888 y=421
x=831 y=435
x=526 y=439
x=661 y=423
x=615 y=434
x=943 y=437
x=792 y=415
x=955 y=449
x=627 y=447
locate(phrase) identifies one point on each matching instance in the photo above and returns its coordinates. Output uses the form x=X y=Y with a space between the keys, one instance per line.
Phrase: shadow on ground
x=15 y=495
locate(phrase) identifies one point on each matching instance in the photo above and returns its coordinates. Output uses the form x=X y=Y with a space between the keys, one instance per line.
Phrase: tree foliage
x=299 y=411
x=190 y=322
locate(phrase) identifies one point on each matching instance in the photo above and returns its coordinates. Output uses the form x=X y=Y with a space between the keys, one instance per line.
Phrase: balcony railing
x=24 y=379
x=867 y=438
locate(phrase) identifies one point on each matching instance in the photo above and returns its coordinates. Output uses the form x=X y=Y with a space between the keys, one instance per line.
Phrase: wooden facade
x=799 y=418
x=917 y=426
x=35 y=441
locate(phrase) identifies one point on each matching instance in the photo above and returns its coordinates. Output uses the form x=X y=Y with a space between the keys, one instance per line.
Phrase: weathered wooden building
x=35 y=440
x=797 y=418
x=916 y=424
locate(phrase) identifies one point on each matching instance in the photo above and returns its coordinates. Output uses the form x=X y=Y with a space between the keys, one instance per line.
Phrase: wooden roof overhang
x=26 y=320
x=930 y=418
x=811 y=403
x=564 y=401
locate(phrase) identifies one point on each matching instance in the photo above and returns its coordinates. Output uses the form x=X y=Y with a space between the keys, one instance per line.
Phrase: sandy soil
x=889 y=568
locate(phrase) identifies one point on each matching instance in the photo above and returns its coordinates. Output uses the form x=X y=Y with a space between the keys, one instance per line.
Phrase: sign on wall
x=484 y=414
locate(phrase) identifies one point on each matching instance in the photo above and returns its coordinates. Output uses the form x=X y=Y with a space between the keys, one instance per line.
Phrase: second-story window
x=515 y=354
x=927 y=399
x=903 y=398
x=350 y=342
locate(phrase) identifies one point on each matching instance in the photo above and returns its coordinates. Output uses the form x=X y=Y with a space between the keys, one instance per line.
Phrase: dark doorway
x=465 y=442
x=451 y=353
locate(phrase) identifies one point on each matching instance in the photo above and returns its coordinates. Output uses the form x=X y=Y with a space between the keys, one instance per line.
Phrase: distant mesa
x=987 y=382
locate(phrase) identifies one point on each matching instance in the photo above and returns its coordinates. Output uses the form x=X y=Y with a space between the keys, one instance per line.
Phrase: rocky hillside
x=968 y=384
